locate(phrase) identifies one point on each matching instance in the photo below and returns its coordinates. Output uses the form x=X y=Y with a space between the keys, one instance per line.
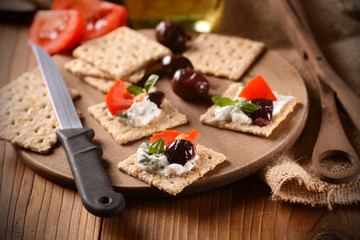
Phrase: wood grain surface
x=32 y=207
x=245 y=153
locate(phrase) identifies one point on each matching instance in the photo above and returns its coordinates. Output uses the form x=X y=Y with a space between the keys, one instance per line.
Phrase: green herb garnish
x=243 y=105
x=150 y=82
x=223 y=101
x=124 y=115
x=248 y=107
x=157 y=147
x=135 y=90
x=145 y=160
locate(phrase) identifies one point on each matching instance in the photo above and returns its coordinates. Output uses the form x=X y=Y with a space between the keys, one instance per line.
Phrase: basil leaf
x=223 y=101
x=135 y=90
x=248 y=107
x=150 y=82
x=157 y=146
x=244 y=105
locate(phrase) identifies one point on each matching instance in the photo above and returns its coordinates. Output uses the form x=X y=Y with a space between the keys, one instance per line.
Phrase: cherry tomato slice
x=168 y=135
x=257 y=88
x=100 y=17
x=118 y=98
x=191 y=136
x=172 y=135
x=57 y=31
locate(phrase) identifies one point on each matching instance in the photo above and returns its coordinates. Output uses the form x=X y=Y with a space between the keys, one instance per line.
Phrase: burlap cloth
x=291 y=177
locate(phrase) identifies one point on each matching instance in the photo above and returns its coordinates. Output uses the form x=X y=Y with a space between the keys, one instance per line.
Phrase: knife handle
x=91 y=179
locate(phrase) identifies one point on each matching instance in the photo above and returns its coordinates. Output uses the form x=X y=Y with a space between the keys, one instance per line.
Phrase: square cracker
x=103 y=85
x=27 y=118
x=264 y=131
x=208 y=160
x=124 y=133
x=82 y=69
x=223 y=56
x=121 y=52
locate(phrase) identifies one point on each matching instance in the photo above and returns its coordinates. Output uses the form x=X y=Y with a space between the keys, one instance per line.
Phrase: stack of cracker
x=223 y=56
x=27 y=117
x=122 y=54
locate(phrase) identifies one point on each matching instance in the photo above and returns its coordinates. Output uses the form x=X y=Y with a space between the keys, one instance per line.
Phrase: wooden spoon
x=332 y=143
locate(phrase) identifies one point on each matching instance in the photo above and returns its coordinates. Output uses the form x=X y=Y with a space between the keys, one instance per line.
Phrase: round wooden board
x=245 y=153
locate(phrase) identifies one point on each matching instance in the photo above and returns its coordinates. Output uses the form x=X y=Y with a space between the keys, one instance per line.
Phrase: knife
x=92 y=182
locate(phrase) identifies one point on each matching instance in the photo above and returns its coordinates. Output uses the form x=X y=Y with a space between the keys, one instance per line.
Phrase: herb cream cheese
x=139 y=114
x=159 y=164
x=233 y=113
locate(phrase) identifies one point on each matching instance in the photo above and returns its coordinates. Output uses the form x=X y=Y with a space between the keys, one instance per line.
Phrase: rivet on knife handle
x=91 y=180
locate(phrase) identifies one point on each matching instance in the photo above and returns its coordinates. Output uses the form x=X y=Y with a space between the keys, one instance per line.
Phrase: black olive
x=172 y=35
x=173 y=62
x=157 y=97
x=263 y=115
x=189 y=84
x=180 y=151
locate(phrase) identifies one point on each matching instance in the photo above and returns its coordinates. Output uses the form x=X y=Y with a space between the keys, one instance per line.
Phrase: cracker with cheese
x=169 y=172
x=230 y=115
x=130 y=112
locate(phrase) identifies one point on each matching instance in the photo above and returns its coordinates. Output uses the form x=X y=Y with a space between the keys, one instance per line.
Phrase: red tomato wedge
x=57 y=31
x=257 y=88
x=100 y=17
x=168 y=135
x=172 y=135
x=118 y=98
x=191 y=136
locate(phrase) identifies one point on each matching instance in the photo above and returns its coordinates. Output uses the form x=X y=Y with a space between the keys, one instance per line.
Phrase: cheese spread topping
x=280 y=103
x=139 y=114
x=159 y=164
x=233 y=113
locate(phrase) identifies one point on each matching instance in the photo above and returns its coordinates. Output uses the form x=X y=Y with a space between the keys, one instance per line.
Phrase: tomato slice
x=171 y=135
x=100 y=17
x=257 y=88
x=118 y=98
x=57 y=31
x=168 y=135
x=191 y=136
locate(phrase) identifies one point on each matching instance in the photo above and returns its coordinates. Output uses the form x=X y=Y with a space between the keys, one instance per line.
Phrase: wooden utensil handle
x=301 y=36
x=347 y=97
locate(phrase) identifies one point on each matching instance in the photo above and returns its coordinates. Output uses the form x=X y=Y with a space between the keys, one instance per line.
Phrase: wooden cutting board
x=245 y=153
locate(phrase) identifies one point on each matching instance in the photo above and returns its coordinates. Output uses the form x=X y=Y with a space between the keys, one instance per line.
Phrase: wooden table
x=33 y=207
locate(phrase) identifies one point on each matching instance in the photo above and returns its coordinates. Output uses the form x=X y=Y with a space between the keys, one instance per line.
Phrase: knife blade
x=91 y=179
